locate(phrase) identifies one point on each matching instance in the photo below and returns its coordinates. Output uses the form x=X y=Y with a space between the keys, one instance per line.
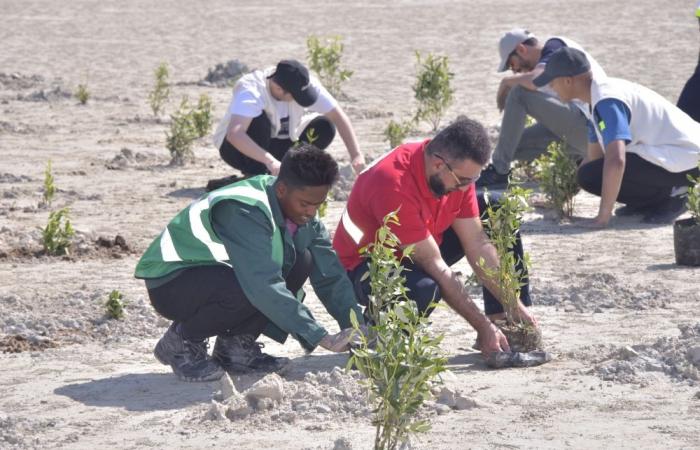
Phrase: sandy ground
x=620 y=316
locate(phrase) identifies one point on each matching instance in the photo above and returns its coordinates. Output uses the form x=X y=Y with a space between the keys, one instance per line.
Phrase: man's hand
x=339 y=342
x=358 y=163
x=492 y=340
x=597 y=223
x=524 y=314
x=503 y=90
x=273 y=167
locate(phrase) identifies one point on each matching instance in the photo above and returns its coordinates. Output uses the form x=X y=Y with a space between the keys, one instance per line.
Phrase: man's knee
x=589 y=177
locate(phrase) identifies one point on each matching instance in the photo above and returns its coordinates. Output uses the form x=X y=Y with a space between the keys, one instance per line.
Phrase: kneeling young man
x=641 y=147
x=233 y=263
x=431 y=184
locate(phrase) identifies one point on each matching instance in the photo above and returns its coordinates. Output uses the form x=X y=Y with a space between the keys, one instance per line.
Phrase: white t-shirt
x=250 y=103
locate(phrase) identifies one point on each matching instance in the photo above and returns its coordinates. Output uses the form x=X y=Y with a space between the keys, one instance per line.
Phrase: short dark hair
x=307 y=165
x=530 y=42
x=462 y=139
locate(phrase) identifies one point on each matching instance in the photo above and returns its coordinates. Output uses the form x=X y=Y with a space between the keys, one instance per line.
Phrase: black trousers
x=689 y=100
x=424 y=290
x=208 y=300
x=259 y=131
x=643 y=184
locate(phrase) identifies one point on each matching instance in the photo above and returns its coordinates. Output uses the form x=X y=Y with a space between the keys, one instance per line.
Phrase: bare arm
x=522 y=79
x=613 y=170
x=238 y=137
x=347 y=134
x=477 y=245
x=427 y=256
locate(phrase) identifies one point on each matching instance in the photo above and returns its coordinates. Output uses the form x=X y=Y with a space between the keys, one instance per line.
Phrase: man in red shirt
x=431 y=183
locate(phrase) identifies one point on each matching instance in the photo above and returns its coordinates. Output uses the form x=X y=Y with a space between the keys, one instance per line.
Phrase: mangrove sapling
x=161 y=90
x=502 y=223
x=396 y=132
x=693 y=202
x=82 y=94
x=49 y=186
x=57 y=235
x=201 y=116
x=324 y=55
x=432 y=89
x=398 y=357
x=115 y=305
x=182 y=134
x=556 y=174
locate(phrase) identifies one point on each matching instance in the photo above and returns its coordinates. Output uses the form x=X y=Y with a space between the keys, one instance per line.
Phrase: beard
x=437 y=186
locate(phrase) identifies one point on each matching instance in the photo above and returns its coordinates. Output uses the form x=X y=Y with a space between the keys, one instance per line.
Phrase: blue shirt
x=612 y=119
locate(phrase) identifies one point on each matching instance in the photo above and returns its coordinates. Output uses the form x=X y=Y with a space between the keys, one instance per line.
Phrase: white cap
x=508 y=42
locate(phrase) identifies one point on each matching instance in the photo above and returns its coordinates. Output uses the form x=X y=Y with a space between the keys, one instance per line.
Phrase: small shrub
x=201 y=116
x=529 y=121
x=556 y=174
x=324 y=55
x=49 y=186
x=161 y=90
x=396 y=132
x=397 y=356
x=82 y=94
x=693 y=202
x=56 y=237
x=502 y=222
x=182 y=134
x=115 y=305
x=432 y=88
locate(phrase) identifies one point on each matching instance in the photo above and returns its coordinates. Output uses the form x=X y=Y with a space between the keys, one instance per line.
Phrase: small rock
x=324 y=409
x=217 y=411
x=239 y=410
x=463 y=402
x=270 y=386
x=694 y=355
x=447 y=397
x=342 y=443
x=627 y=353
x=442 y=409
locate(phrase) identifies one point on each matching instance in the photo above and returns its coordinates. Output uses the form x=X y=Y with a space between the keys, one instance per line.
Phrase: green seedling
x=82 y=94
x=556 y=174
x=49 y=186
x=432 y=89
x=398 y=357
x=115 y=305
x=396 y=132
x=182 y=134
x=324 y=55
x=502 y=223
x=201 y=116
x=693 y=202
x=161 y=90
x=57 y=235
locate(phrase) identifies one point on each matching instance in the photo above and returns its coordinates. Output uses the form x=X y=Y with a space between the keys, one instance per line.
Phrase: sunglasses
x=461 y=181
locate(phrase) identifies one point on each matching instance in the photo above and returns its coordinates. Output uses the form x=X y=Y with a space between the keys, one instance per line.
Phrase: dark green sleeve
x=330 y=281
x=247 y=235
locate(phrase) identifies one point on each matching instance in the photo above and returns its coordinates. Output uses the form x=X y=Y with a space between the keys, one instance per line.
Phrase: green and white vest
x=190 y=240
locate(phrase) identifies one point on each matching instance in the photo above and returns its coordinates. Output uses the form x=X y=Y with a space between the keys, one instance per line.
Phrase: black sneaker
x=666 y=212
x=188 y=359
x=241 y=353
x=492 y=179
x=217 y=183
x=628 y=210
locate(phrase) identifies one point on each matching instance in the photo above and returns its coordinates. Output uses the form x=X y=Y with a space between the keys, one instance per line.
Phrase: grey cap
x=565 y=62
x=508 y=42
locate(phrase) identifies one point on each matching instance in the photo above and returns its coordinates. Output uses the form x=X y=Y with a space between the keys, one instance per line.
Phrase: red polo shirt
x=396 y=180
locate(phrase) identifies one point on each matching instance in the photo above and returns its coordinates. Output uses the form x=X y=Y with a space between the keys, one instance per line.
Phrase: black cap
x=565 y=62
x=293 y=77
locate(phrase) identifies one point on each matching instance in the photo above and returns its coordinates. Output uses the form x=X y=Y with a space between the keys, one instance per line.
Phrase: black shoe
x=667 y=211
x=241 y=353
x=492 y=179
x=217 y=183
x=629 y=210
x=188 y=359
